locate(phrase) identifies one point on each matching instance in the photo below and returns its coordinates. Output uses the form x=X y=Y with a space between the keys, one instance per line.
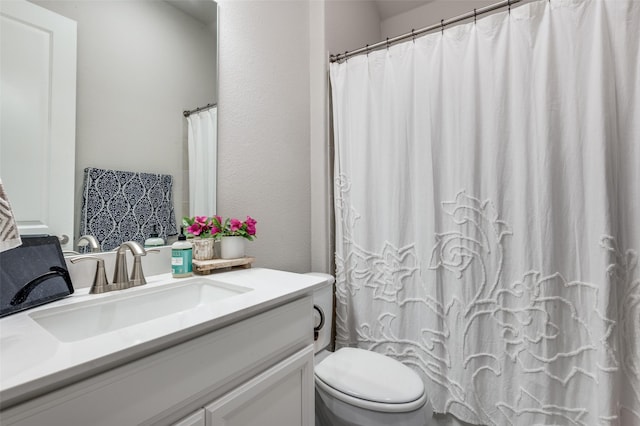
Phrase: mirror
x=140 y=64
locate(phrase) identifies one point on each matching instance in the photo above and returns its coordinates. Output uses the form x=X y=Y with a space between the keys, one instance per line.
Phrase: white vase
x=232 y=247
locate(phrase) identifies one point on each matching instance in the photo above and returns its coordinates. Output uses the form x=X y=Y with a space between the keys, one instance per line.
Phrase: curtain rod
x=193 y=111
x=415 y=33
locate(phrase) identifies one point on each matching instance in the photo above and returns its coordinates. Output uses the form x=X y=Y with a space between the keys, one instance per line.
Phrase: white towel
x=9 y=236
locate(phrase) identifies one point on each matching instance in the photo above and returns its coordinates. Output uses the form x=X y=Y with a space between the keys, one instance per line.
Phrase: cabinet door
x=282 y=395
x=195 y=419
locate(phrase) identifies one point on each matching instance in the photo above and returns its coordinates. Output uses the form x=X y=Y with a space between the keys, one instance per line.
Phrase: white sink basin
x=90 y=318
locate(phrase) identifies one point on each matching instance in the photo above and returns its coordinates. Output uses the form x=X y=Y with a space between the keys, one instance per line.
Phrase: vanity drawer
x=172 y=383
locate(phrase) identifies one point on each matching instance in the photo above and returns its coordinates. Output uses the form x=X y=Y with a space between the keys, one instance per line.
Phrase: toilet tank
x=323 y=312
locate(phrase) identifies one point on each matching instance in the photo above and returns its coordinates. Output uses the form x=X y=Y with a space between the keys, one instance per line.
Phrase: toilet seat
x=370 y=381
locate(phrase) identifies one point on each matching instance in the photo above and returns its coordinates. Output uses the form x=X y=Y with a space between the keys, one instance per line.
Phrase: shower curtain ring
x=387 y=43
x=509 y=5
x=367 y=49
x=442 y=26
x=475 y=16
x=413 y=35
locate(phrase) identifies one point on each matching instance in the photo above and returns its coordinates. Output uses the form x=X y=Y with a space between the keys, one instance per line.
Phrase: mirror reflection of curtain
x=202 y=144
x=487 y=205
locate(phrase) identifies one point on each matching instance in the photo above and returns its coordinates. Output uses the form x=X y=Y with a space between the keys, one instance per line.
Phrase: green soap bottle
x=181 y=257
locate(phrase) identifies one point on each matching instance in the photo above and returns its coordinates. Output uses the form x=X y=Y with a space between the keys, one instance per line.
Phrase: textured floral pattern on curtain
x=487 y=207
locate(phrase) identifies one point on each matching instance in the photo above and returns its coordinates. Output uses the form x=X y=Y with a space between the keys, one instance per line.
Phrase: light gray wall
x=322 y=246
x=140 y=64
x=263 y=127
x=429 y=14
x=351 y=24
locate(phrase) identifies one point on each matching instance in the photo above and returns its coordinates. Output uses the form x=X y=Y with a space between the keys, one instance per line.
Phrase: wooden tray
x=206 y=267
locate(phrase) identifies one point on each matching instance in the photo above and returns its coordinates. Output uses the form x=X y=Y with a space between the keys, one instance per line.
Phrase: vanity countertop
x=33 y=361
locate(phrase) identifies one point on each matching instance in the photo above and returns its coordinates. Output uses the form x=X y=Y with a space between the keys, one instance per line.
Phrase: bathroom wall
x=273 y=121
x=429 y=14
x=351 y=25
x=320 y=151
x=264 y=126
x=140 y=64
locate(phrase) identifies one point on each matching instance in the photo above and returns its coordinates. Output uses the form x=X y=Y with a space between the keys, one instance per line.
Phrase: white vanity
x=234 y=348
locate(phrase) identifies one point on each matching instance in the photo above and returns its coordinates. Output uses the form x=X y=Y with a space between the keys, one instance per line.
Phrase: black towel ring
x=317 y=328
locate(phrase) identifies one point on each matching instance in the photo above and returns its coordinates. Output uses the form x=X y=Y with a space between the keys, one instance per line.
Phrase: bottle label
x=181 y=261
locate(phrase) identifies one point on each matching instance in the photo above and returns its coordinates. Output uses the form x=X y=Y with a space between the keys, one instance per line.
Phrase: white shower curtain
x=487 y=191
x=202 y=147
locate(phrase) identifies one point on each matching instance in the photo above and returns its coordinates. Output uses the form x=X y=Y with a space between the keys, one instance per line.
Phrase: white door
x=282 y=395
x=37 y=117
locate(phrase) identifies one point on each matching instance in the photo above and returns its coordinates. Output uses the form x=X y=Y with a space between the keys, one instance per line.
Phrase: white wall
x=263 y=127
x=140 y=64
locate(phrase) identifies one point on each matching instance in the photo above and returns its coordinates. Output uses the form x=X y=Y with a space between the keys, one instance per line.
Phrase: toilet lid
x=370 y=376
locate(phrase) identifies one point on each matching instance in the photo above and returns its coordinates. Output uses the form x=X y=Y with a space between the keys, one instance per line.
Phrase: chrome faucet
x=100 y=283
x=121 y=279
x=89 y=240
x=137 y=275
x=120 y=273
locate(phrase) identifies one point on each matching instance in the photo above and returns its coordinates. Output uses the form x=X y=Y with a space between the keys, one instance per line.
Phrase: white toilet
x=362 y=388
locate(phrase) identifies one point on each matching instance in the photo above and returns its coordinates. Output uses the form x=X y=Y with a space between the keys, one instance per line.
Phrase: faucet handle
x=135 y=247
x=100 y=283
x=137 y=276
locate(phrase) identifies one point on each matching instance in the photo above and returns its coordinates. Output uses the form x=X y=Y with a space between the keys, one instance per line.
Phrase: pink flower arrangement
x=200 y=226
x=214 y=227
x=232 y=227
